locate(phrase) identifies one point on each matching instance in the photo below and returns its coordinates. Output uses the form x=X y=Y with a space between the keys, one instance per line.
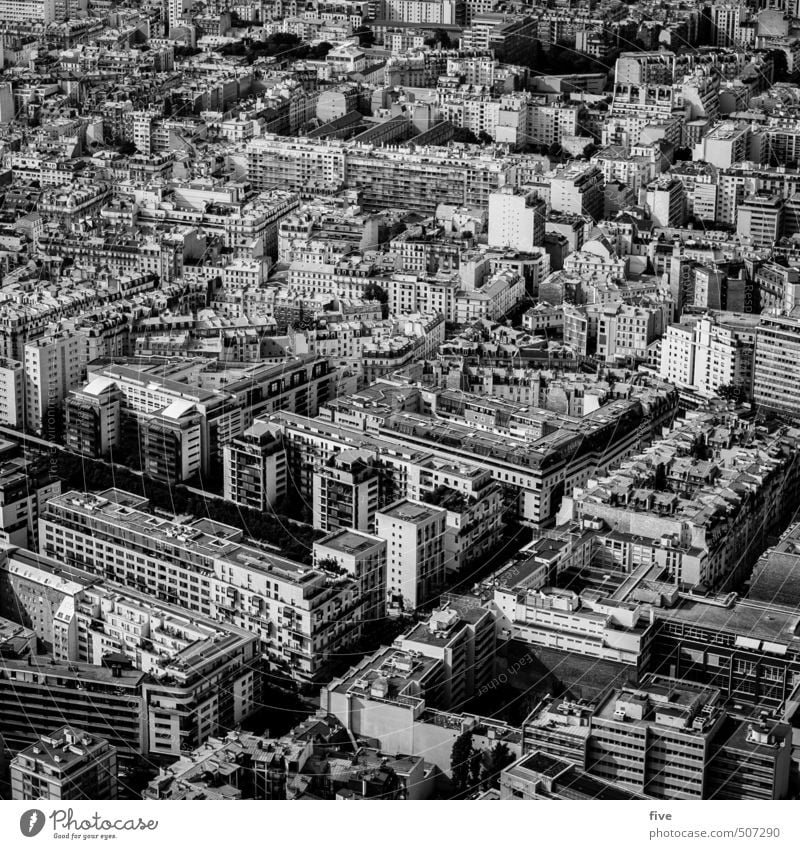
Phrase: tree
x=731 y=393
x=475 y=768
x=460 y=760
x=366 y=37
x=320 y=51
x=184 y=50
x=373 y=292
x=441 y=38
x=464 y=135
x=499 y=758
x=700 y=449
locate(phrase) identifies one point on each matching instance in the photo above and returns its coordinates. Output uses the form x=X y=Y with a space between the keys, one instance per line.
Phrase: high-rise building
x=725 y=21
x=578 y=190
x=666 y=199
x=25 y=486
x=67 y=764
x=28 y=11
x=709 y=352
x=52 y=368
x=254 y=467
x=67 y=10
x=760 y=218
x=414 y=533
x=12 y=393
x=776 y=365
x=345 y=492
x=93 y=418
x=516 y=220
x=362 y=556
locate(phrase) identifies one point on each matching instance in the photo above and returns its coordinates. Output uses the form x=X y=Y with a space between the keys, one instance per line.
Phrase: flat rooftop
x=73 y=671
x=397 y=674
x=410 y=511
x=207 y=540
x=754 y=621
x=349 y=542
x=63 y=749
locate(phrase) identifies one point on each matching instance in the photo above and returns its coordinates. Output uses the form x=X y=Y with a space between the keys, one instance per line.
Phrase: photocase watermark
x=504 y=677
x=32 y=822
x=64 y=825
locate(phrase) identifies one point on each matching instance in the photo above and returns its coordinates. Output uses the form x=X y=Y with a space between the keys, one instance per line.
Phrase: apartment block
x=28 y=11
x=182 y=411
x=625 y=331
x=516 y=220
x=759 y=217
x=12 y=393
x=706 y=538
x=345 y=492
x=388 y=178
x=297 y=614
x=67 y=764
x=535 y=456
x=363 y=556
x=475 y=508
x=401 y=694
x=667 y=202
x=414 y=534
x=25 y=486
x=52 y=368
x=254 y=467
x=777 y=355
x=577 y=190
x=201 y=675
x=93 y=418
x=38 y=695
x=709 y=352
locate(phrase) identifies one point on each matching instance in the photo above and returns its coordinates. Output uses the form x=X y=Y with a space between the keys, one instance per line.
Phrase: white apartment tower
x=516 y=220
x=414 y=534
x=12 y=393
x=52 y=368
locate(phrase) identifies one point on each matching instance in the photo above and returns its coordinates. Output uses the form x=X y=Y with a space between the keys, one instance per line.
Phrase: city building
x=516 y=221
x=254 y=467
x=363 y=556
x=65 y=765
x=415 y=567
x=112 y=534
x=709 y=352
x=777 y=353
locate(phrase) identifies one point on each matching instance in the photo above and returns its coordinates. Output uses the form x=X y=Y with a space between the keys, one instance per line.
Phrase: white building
x=363 y=557
x=12 y=393
x=28 y=11
x=516 y=220
x=666 y=199
x=52 y=367
x=710 y=352
x=414 y=534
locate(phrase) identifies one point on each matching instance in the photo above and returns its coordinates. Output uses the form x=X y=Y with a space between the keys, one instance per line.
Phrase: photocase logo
x=31 y=822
